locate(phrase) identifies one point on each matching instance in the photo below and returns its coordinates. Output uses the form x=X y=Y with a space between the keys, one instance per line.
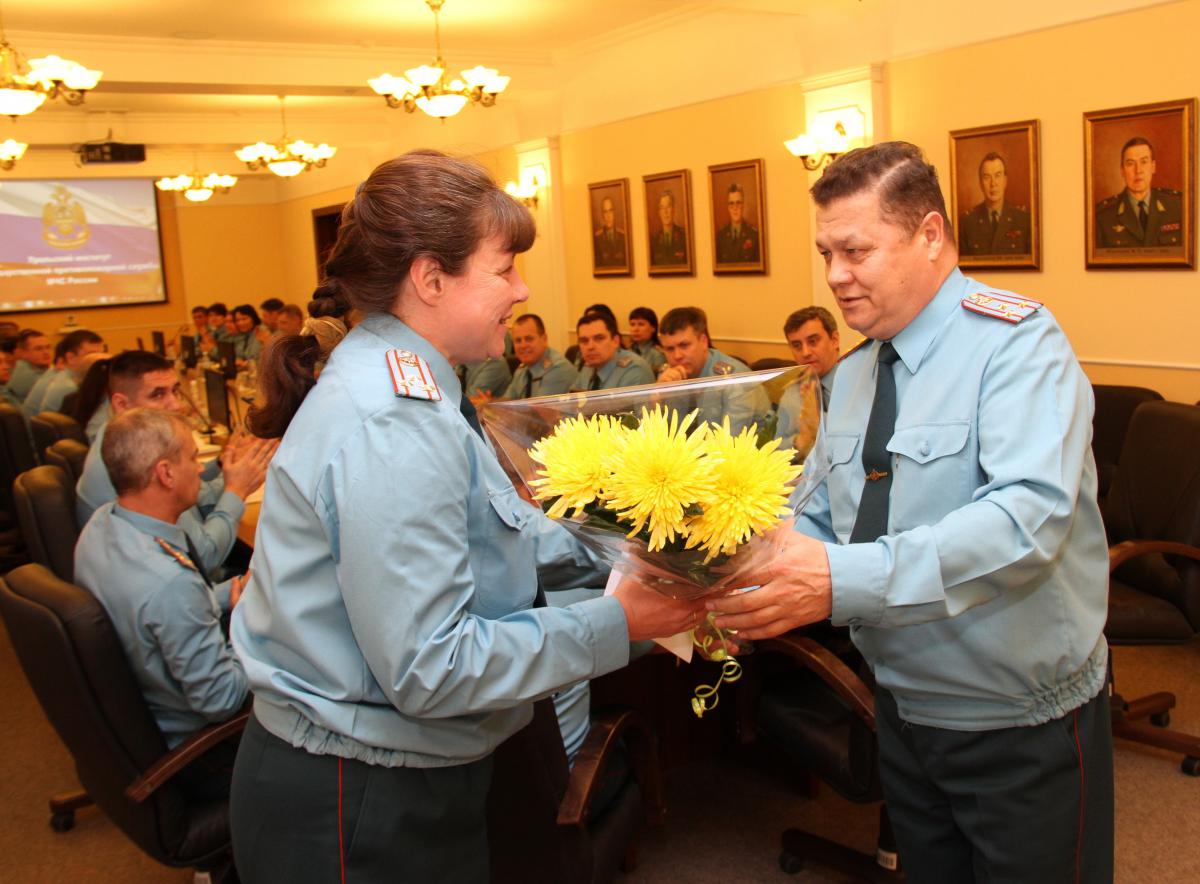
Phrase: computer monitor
x=217 y=394
x=228 y=358
x=187 y=345
x=159 y=343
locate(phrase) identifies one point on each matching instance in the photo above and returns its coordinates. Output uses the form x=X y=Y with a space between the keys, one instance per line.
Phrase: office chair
x=1152 y=515
x=1110 y=422
x=45 y=502
x=813 y=706
x=74 y=662
x=50 y=426
x=553 y=824
x=69 y=456
x=771 y=362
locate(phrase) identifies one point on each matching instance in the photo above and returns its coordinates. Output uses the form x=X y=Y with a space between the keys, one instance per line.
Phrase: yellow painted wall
x=1127 y=316
x=726 y=130
x=121 y=326
x=232 y=253
x=298 y=244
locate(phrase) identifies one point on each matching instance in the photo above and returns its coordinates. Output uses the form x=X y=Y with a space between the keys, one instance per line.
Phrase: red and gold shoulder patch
x=1010 y=308
x=412 y=377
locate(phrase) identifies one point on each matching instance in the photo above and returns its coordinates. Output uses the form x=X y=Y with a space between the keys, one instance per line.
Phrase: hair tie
x=328 y=330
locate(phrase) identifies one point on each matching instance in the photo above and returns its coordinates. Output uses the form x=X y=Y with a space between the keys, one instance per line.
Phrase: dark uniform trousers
x=1020 y=805
x=300 y=818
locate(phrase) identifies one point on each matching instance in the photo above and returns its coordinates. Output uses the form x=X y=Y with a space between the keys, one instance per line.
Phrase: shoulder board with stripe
x=1010 y=308
x=412 y=377
x=863 y=343
x=176 y=555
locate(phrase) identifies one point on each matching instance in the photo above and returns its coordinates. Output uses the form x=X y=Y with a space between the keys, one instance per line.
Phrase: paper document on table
x=680 y=645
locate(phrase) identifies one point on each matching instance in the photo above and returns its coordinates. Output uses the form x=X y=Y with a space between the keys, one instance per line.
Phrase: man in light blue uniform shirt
x=976 y=585
x=606 y=364
x=690 y=354
x=139 y=564
x=485 y=380
x=543 y=370
x=141 y=379
x=33 y=353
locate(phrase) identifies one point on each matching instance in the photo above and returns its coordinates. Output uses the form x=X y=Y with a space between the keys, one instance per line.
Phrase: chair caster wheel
x=63 y=822
x=1191 y=766
x=789 y=863
x=1161 y=719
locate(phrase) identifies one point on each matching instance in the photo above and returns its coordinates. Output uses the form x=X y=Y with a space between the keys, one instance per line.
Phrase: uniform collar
x=539 y=368
x=172 y=534
x=399 y=335
x=605 y=371
x=713 y=355
x=914 y=340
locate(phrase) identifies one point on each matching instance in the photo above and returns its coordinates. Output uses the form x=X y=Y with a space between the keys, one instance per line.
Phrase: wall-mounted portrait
x=1139 y=177
x=612 y=254
x=737 y=199
x=669 y=222
x=995 y=197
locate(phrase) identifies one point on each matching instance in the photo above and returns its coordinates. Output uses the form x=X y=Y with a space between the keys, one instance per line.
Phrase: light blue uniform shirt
x=37 y=393
x=985 y=604
x=655 y=358
x=60 y=388
x=98 y=420
x=800 y=413
x=168 y=619
x=743 y=407
x=24 y=376
x=389 y=616
x=491 y=376
x=551 y=375
x=213 y=535
x=624 y=369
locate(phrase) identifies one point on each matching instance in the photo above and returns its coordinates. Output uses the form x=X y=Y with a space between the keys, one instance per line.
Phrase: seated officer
x=606 y=364
x=34 y=353
x=483 y=381
x=543 y=371
x=812 y=334
x=138 y=379
x=684 y=336
x=141 y=566
x=80 y=349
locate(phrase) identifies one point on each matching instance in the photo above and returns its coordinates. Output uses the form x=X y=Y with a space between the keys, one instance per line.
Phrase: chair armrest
x=183 y=755
x=1131 y=549
x=831 y=670
x=600 y=743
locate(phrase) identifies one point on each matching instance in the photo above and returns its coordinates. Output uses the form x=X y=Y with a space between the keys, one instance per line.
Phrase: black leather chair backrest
x=771 y=362
x=44 y=498
x=50 y=426
x=69 y=402
x=1156 y=496
x=69 y=456
x=1115 y=406
x=73 y=659
x=16 y=450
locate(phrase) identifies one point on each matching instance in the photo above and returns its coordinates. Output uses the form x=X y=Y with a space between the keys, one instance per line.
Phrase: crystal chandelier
x=425 y=87
x=195 y=188
x=286 y=159
x=24 y=86
x=10 y=152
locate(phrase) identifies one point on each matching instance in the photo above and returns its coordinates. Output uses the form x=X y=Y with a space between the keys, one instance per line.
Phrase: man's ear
x=427 y=279
x=933 y=234
x=120 y=402
x=164 y=473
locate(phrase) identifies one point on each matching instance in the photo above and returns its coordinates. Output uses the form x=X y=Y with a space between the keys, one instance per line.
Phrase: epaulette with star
x=177 y=555
x=864 y=342
x=1010 y=308
x=625 y=362
x=723 y=368
x=412 y=377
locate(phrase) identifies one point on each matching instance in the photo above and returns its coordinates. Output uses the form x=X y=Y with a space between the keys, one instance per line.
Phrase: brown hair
x=907 y=185
x=675 y=321
x=591 y=316
x=808 y=314
x=423 y=204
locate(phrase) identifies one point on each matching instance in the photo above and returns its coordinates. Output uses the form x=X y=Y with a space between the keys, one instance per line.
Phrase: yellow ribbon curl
x=731 y=669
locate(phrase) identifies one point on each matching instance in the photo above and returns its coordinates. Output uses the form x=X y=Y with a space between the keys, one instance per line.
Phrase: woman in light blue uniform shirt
x=392 y=631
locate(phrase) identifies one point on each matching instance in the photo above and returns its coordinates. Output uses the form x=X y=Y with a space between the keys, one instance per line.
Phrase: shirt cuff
x=857 y=574
x=230 y=503
x=610 y=633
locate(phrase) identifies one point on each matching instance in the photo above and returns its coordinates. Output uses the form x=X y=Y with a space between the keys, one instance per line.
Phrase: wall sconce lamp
x=818 y=151
x=529 y=188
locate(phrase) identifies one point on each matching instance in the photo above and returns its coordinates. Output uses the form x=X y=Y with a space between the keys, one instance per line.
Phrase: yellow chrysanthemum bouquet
x=674 y=484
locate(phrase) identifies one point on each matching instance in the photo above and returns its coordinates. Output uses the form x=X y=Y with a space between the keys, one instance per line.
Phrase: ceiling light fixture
x=425 y=87
x=195 y=188
x=24 y=86
x=11 y=150
x=286 y=159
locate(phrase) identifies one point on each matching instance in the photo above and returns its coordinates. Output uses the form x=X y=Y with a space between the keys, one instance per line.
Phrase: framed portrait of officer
x=612 y=254
x=1140 y=174
x=737 y=199
x=669 y=222
x=995 y=195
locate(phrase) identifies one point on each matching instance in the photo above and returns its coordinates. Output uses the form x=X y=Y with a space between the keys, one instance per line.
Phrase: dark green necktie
x=467 y=407
x=194 y=555
x=595 y=382
x=528 y=382
x=872 y=520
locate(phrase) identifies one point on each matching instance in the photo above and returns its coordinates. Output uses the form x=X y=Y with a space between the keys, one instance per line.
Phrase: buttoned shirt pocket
x=512 y=510
x=842 y=448
x=928 y=457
